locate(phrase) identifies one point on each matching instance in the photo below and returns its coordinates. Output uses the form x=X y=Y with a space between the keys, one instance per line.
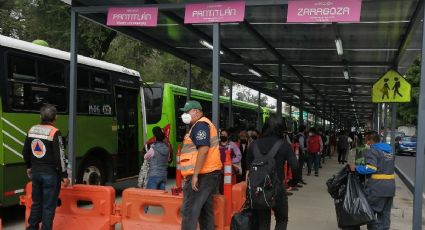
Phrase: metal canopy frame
x=311 y=77
x=235 y=64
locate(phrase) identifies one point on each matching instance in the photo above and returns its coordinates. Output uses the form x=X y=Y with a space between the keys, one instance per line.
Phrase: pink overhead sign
x=215 y=12
x=132 y=16
x=324 y=11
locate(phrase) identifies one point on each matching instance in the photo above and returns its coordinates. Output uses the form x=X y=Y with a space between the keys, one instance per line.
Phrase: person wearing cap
x=200 y=166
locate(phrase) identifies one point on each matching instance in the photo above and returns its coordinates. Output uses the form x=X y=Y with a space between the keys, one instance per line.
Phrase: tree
x=49 y=20
x=408 y=112
x=245 y=94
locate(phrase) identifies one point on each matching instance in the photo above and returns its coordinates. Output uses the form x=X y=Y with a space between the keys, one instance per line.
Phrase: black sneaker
x=316 y=174
x=289 y=193
x=308 y=174
x=303 y=182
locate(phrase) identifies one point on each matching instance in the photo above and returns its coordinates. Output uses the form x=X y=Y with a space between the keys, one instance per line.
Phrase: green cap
x=191 y=105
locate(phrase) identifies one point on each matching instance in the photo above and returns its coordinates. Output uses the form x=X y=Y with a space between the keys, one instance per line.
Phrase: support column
x=260 y=113
x=300 y=108
x=216 y=76
x=393 y=124
x=386 y=121
x=231 y=105
x=189 y=82
x=315 y=109
x=72 y=163
x=290 y=116
x=324 y=115
x=279 y=92
x=420 y=150
x=378 y=119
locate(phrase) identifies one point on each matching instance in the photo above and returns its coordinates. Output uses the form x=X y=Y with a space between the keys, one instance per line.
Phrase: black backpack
x=263 y=184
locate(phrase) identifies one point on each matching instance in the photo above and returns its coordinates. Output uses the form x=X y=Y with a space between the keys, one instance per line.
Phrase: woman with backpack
x=314 y=150
x=265 y=190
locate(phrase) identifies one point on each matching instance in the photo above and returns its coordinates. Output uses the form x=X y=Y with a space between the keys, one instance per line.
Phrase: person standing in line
x=253 y=135
x=157 y=156
x=380 y=187
x=243 y=146
x=314 y=149
x=44 y=158
x=327 y=144
x=343 y=147
x=201 y=167
x=300 y=138
x=272 y=132
x=235 y=155
x=333 y=143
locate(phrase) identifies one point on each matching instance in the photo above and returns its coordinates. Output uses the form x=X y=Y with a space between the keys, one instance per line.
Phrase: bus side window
x=153 y=103
x=83 y=78
x=100 y=81
x=179 y=102
x=21 y=68
x=51 y=73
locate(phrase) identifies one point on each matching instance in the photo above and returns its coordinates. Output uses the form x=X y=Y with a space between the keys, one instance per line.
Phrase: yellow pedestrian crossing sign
x=391 y=87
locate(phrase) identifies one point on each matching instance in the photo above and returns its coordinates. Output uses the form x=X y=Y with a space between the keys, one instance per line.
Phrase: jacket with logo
x=44 y=150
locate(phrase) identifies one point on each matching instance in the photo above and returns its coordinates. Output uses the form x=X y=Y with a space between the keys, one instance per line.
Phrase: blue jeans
x=313 y=158
x=156 y=182
x=45 y=192
x=198 y=206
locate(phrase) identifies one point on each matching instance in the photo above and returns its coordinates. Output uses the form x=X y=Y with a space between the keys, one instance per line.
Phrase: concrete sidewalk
x=312 y=207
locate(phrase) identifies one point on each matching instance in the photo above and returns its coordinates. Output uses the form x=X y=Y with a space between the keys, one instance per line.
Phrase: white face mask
x=186 y=118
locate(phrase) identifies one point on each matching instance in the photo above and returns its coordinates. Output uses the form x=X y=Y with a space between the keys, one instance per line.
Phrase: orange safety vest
x=45 y=132
x=189 y=152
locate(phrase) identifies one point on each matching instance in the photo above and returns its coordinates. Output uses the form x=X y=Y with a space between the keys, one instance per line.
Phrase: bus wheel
x=92 y=173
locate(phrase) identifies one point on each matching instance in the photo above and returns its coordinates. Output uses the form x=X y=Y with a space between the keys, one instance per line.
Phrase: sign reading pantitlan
x=391 y=87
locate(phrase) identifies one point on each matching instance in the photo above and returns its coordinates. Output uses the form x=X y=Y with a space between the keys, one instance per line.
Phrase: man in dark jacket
x=380 y=184
x=45 y=160
x=273 y=132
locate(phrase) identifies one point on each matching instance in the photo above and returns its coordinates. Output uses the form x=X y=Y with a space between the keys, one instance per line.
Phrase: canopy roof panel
x=387 y=36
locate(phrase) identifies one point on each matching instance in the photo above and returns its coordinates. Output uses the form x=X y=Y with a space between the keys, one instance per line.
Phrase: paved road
x=407 y=165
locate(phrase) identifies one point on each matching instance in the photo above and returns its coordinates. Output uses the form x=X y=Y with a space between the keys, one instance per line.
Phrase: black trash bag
x=337 y=184
x=243 y=220
x=353 y=209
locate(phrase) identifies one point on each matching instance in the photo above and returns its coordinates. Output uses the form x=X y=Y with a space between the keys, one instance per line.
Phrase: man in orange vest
x=44 y=157
x=200 y=166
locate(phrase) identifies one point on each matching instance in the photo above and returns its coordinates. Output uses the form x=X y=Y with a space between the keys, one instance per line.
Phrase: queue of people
x=204 y=153
x=257 y=157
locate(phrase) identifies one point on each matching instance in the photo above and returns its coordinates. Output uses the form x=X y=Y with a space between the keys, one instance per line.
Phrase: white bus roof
x=59 y=54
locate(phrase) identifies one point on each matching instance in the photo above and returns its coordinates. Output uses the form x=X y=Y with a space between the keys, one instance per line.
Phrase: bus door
x=126 y=107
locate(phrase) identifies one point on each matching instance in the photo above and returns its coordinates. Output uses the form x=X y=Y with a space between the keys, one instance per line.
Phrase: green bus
x=163 y=100
x=109 y=113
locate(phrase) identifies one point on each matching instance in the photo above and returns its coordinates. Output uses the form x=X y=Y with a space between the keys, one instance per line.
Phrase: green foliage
x=408 y=112
x=246 y=95
x=49 y=20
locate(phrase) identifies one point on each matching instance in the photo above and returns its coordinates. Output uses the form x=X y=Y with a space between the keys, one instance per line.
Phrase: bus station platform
x=312 y=207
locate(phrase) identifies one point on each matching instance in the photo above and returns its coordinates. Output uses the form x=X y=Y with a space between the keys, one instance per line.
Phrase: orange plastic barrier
x=239 y=196
x=100 y=214
x=135 y=200
x=228 y=186
x=178 y=172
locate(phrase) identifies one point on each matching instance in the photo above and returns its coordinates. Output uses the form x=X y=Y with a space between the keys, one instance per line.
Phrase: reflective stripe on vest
x=382 y=176
x=45 y=132
x=189 y=152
